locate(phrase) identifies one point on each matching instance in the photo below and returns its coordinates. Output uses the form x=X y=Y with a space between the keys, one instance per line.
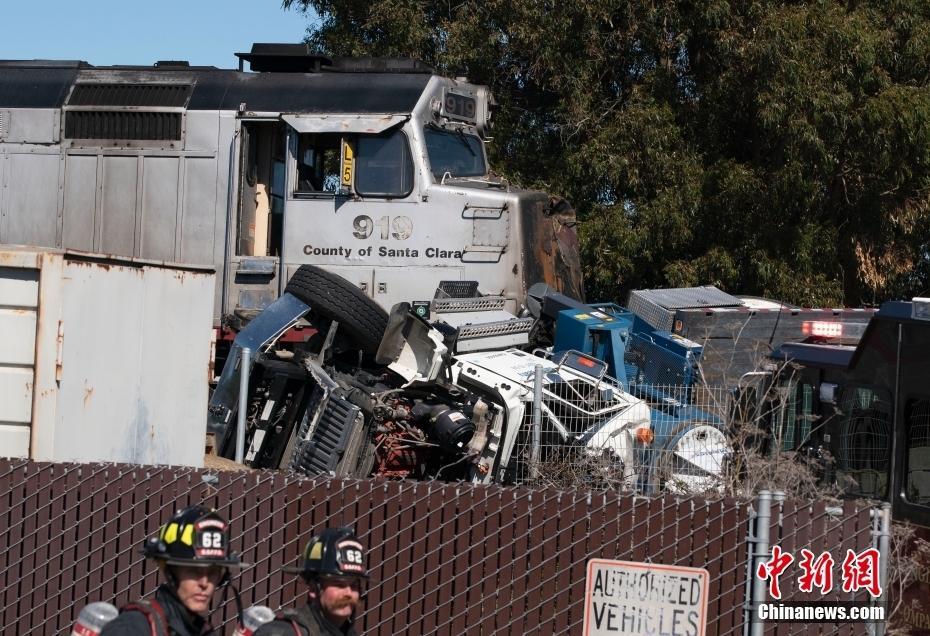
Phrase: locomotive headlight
x=435 y=107
x=484 y=110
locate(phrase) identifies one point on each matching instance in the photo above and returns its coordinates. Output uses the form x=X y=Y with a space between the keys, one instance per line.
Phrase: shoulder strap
x=154 y=613
x=292 y=616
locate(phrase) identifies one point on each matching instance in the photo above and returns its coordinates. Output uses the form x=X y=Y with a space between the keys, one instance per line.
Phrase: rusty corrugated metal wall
x=444 y=557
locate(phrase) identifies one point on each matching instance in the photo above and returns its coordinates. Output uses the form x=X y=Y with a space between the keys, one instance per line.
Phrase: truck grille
x=319 y=454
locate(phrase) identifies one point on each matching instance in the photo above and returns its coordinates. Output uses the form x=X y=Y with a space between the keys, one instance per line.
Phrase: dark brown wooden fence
x=444 y=558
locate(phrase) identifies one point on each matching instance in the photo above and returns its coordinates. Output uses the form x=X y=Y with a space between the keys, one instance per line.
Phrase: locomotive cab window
x=378 y=166
x=384 y=167
x=318 y=158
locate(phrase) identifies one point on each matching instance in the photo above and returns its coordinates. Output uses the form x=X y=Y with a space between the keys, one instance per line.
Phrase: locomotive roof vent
x=130 y=94
x=298 y=58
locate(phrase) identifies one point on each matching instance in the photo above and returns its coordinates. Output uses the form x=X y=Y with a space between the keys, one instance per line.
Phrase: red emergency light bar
x=822 y=329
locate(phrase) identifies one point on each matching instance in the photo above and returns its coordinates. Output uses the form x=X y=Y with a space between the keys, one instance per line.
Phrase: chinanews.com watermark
x=858 y=572
x=819 y=612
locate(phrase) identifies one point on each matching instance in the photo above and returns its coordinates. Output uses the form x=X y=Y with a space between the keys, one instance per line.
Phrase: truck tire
x=333 y=297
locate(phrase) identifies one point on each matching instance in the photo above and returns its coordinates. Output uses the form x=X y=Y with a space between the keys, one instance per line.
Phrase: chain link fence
x=444 y=557
x=643 y=438
x=697 y=439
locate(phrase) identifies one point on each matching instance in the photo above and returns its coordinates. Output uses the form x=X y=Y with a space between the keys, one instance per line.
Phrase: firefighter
x=193 y=557
x=333 y=566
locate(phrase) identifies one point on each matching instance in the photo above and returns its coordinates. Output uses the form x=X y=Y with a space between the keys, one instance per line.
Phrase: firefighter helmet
x=334 y=552
x=195 y=536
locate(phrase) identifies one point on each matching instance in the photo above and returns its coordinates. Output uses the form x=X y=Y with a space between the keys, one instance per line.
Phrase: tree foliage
x=770 y=147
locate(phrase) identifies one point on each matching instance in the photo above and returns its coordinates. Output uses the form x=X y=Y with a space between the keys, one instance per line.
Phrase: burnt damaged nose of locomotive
x=552 y=254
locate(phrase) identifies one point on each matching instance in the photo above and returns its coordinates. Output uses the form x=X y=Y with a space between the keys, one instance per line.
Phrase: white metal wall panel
x=135 y=353
x=117 y=221
x=15 y=398
x=80 y=204
x=198 y=217
x=18 y=344
x=19 y=286
x=19 y=293
x=159 y=218
x=14 y=440
x=32 y=217
x=175 y=352
x=100 y=315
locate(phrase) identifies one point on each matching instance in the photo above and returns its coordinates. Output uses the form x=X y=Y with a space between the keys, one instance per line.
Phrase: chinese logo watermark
x=859 y=571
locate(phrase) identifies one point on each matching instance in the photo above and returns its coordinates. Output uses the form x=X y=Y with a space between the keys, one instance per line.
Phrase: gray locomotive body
x=373 y=169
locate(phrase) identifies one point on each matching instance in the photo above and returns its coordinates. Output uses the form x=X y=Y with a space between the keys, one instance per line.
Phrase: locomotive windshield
x=454 y=152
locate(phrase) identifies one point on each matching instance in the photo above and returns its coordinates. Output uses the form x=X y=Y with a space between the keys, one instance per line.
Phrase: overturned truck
x=456 y=388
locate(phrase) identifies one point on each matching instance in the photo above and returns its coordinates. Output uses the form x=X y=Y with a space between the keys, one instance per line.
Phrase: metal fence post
x=244 y=367
x=884 y=556
x=750 y=577
x=537 y=422
x=759 y=552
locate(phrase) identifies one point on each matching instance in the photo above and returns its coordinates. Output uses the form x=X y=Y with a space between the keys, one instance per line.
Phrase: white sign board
x=622 y=597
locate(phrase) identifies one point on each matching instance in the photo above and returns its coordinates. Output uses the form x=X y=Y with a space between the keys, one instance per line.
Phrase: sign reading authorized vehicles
x=622 y=597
